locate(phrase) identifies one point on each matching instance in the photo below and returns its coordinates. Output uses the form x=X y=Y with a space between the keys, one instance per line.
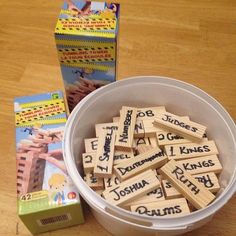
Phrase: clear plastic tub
x=178 y=97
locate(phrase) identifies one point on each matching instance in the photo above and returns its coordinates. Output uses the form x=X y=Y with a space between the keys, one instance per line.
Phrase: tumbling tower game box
x=47 y=198
x=86 y=38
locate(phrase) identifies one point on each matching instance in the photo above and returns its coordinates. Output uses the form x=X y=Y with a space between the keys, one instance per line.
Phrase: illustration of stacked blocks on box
x=86 y=36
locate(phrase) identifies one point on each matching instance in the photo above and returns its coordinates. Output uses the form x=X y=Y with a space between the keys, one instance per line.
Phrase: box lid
x=89 y=19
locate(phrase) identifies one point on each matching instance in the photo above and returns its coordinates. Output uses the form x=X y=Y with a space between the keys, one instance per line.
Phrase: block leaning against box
x=86 y=39
x=152 y=162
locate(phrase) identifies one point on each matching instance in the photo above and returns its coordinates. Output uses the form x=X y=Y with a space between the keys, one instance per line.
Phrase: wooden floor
x=194 y=41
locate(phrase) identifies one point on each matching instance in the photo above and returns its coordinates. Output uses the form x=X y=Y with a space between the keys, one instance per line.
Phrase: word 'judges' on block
x=167 y=208
x=179 y=125
x=132 y=188
x=187 y=150
x=125 y=134
x=200 y=165
x=199 y=196
x=151 y=159
x=104 y=156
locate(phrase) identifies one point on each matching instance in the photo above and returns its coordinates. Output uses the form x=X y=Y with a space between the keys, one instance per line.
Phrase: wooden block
x=116 y=119
x=125 y=133
x=132 y=188
x=190 y=150
x=167 y=208
x=152 y=159
x=144 y=148
x=104 y=126
x=105 y=152
x=170 y=191
x=191 y=189
x=88 y=161
x=99 y=192
x=91 y=144
x=145 y=140
x=111 y=182
x=121 y=156
x=179 y=125
x=149 y=112
x=200 y=165
x=93 y=182
x=209 y=181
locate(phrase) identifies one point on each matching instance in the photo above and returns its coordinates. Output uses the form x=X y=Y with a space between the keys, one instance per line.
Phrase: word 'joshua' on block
x=100 y=127
x=105 y=152
x=167 y=208
x=200 y=165
x=179 y=125
x=151 y=159
x=88 y=161
x=93 y=182
x=125 y=133
x=189 y=150
x=132 y=188
x=91 y=144
x=121 y=156
x=186 y=184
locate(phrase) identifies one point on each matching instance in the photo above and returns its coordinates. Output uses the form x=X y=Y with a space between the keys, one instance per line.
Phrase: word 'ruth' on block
x=125 y=133
x=104 y=156
x=179 y=125
x=200 y=165
x=199 y=196
x=167 y=208
x=132 y=188
x=151 y=159
x=187 y=150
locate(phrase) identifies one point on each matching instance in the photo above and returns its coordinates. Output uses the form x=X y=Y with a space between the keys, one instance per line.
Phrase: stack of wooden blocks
x=152 y=162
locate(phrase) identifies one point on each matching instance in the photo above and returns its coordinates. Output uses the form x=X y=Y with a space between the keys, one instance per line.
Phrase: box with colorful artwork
x=86 y=38
x=47 y=198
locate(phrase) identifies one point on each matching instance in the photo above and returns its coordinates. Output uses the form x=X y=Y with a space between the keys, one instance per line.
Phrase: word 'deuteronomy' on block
x=179 y=125
x=167 y=208
x=104 y=156
x=125 y=134
x=132 y=188
x=187 y=150
x=151 y=159
x=199 y=196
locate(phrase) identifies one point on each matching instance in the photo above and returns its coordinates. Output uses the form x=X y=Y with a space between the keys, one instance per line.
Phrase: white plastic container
x=178 y=97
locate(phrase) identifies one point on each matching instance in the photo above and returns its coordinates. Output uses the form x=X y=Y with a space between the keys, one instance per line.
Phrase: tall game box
x=46 y=197
x=86 y=39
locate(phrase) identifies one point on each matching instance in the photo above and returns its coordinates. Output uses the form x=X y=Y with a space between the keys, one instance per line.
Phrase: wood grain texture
x=193 y=41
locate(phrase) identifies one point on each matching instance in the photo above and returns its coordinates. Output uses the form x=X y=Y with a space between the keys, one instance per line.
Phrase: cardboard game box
x=86 y=39
x=47 y=199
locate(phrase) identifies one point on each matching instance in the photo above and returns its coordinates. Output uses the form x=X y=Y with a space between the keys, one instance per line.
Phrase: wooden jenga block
x=93 y=182
x=145 y=141
x=104 y=126
x=132 y=188
x=200 y=165
x=209 y=181
x=88 y=161
x=111 y=182
x=152 y=159
x=179 y=125
x=144 y=148
x=189 y=150
x=197 y=195
x=121 y=156
x=170 y=191
x=99 y=192
x=91 y=144
x=116 y=119
x=125 y=133
x=105 y=152
x=167 y=208
x=149 y=112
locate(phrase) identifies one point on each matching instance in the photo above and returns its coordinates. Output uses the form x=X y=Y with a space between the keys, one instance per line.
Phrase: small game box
x=47 y=198
x=86 y=37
